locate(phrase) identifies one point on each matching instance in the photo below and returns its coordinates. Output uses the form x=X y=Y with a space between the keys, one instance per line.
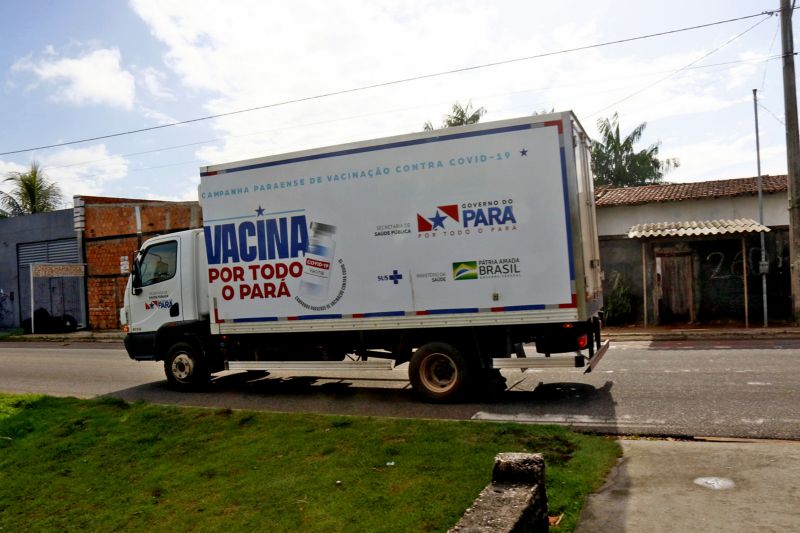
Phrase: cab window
x=159 y=263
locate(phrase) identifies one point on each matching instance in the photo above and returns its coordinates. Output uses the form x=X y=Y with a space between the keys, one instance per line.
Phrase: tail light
x=583 y=341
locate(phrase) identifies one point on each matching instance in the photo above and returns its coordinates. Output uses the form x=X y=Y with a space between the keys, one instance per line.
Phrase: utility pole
x=792 y=153
x=763 y=266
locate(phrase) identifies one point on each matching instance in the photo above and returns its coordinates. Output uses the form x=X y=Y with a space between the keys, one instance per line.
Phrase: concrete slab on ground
x=730 y=486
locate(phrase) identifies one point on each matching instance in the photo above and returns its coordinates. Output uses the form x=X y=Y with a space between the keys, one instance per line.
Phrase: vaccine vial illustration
x=318 y=261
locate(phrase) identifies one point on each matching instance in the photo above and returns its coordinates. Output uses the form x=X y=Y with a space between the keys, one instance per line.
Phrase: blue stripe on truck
x=366 y=149
x=256 y=319
x=456 y=311
x=566 y=209
x=523 y=308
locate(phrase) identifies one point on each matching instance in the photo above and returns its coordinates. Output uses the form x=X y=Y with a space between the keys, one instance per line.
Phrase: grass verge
x=8 y=334
x=101 y=465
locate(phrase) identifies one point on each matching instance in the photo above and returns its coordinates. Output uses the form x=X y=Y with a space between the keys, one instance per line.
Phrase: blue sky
x=84 y=68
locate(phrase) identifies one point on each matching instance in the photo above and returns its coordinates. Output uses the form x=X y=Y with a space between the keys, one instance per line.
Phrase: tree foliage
x=619 y=302
x=32 y=192
x=459 y=116
x=616 y=163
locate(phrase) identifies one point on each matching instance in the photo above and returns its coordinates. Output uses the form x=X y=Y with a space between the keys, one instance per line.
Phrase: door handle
x=175 y=310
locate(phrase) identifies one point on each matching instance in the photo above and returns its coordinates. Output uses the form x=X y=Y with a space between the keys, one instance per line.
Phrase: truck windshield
x=158 y=263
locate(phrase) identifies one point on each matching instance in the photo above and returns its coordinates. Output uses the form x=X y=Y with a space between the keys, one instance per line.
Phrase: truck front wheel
x=439 y=372
x=185 y=367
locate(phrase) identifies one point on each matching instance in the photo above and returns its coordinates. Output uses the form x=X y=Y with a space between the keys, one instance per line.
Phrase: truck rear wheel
x=439 y=372
x=185 y=367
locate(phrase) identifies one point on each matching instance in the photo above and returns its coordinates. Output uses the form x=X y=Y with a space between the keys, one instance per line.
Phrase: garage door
x=59 y=296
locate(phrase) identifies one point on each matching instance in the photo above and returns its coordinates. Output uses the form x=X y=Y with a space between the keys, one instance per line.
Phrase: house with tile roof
x=691 y=252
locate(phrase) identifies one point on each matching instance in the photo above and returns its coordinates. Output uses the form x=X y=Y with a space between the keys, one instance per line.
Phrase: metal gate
x=59 y=296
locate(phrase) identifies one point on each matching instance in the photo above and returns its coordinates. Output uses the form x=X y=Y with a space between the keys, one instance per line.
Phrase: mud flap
x=597 y=356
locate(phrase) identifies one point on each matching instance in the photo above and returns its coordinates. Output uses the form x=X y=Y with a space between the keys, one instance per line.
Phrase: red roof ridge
x=676 y=192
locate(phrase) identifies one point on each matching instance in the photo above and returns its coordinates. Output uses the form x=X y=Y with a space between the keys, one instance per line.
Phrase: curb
x=80 y=336
x=703 y=334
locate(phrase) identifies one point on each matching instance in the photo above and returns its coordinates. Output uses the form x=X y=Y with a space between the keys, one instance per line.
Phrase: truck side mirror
x=136 y=278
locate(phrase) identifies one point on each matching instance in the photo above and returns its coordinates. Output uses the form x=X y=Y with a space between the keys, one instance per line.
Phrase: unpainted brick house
x=109 y=231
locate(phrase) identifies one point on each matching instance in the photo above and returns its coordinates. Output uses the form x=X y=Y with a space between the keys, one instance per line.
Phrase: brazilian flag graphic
x=465 y=270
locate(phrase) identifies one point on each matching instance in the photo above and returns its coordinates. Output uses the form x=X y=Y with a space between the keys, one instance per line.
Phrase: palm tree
x=615 y=162
x=32 y=192
x=459 y=116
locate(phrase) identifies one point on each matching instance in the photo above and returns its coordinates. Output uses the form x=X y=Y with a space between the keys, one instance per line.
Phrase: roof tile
x=694 y=227
x=676 y=192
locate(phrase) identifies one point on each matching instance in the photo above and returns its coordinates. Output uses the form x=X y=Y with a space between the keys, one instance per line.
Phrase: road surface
x=745 y=389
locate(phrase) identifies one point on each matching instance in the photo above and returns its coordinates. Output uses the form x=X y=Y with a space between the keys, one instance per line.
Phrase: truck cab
x=165 y=296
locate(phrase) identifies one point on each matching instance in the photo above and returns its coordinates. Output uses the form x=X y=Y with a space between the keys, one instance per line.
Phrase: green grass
x=7 y=335
x=106 y=465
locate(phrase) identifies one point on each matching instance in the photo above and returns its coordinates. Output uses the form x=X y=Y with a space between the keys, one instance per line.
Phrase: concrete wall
x=112 y=229
x=623 y=256
x=618 y=220
x=717 y=275
x=26 y=229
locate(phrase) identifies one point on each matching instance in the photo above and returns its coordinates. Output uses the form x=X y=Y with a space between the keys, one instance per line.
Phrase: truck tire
x=439 y=372
x=185 y=367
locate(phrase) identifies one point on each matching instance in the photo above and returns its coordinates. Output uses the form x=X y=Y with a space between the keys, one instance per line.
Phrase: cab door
x=155 y=297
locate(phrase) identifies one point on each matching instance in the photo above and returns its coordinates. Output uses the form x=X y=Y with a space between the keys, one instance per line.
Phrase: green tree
x=616 y=163
x=32 y=192
x=459 y=116
x=618 y=303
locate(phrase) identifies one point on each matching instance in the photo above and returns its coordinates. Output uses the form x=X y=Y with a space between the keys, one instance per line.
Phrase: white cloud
x=319 y=48
x=158 y=116
x=153 y=80
x=76 y=171
x=189 y=195
x=184 y=187
x=743 y=73
x=95 y=78
x=84 y=171
x=251 y=53
x=7 y=167
x=720 y=157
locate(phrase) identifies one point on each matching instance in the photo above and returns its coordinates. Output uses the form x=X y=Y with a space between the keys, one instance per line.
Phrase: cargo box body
x=489 y=224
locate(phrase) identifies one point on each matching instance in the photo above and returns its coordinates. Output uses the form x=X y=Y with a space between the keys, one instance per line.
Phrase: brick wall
x=110 y=232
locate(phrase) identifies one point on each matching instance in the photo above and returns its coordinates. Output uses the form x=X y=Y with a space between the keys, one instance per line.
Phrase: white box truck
x=448 y=250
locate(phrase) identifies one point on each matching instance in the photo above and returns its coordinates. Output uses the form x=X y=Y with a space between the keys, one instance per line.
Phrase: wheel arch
x=194 y=332
x=469 y=341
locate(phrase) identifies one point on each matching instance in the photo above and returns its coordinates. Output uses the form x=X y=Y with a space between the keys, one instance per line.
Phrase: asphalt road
x=745 y=389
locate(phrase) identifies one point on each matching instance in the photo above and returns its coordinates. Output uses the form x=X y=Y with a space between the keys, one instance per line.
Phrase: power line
x=765 y=59
x=685 y=67
x=771 y=113
x=764 y=78
x=393 y=82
